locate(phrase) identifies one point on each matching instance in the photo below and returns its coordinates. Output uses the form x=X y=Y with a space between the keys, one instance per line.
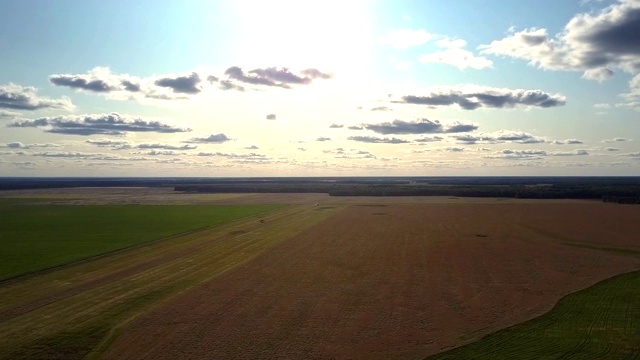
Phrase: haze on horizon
x=289 y=88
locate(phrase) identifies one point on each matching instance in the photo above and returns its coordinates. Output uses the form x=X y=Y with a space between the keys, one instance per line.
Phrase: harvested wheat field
x=392 y=281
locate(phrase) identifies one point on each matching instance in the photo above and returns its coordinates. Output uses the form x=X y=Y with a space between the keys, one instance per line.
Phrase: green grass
x=600 y=322
x=79 y=342
x=35 y=236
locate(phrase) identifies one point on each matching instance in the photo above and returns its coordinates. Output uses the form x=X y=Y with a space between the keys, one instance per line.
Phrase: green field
x=600 y=322
x=35 y=236
x=77 y=311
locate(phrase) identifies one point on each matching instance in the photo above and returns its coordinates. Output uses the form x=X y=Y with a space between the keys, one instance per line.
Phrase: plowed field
x=392 y=281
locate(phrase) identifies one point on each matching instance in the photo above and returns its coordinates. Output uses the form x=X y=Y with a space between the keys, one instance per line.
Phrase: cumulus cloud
x=13 y=145
x=453 y=149
x=272 y=76
x=590 y=42
x=335 y=126
x=211 y=139
x=322 y=138
x=633 y=95
x=162 y=153
x=252 y=147
x=26 y=98
x=470 y=97
x=124 y=86
x=429 y=139
x=82 y=82
x=454 y=54
x=598 y=75
x=8 y=115
x=226 y=84
x=342 y=153
x=568 y=142
x=569 y=153
x=419 y=126
x=406 y=38
x=271 y=117
x=381 y=108
x=377 y=140
x=614 y=140
x=156 y=146
x=104 y=124
x=181 y=84
x=501 y=136
x=99 y=79
x=355 y=127
x=19 y=145
x=75 y=155
x=233 y=156
x=531 y=154
x=110 y=143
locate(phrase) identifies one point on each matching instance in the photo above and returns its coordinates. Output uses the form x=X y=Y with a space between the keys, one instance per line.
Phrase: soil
x=392 y=281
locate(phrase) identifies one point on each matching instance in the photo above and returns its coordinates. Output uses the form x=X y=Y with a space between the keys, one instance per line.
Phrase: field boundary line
x=71 y=264
x=537 y=318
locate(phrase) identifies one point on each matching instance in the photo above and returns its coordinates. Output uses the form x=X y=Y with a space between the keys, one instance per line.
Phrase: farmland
x=599 y=322
x=345 y=277
x=37 y=236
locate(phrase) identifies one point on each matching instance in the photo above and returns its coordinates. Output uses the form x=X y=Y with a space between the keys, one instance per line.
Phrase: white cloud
x=17 y=97
x=594 y=43
x=459 y=58
x=454 y=54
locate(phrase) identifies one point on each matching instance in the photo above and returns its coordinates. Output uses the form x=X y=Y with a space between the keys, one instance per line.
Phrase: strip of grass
x=34 y=237
x=600 y=322
x=75 y=343
x=85 y=324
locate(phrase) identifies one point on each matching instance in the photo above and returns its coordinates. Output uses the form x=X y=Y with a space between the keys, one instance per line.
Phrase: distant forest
x=610 y=189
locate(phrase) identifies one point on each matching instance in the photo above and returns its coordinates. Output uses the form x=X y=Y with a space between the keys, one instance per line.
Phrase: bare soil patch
x=405 y=285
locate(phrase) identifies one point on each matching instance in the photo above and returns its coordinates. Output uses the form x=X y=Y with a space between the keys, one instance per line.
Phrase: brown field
x=382 y=279
x=354 y=277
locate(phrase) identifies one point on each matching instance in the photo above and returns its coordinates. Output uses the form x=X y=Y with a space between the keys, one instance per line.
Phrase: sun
x=334 y=34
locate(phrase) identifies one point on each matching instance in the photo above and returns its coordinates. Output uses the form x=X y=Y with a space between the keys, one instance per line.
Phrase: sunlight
x=294 y=33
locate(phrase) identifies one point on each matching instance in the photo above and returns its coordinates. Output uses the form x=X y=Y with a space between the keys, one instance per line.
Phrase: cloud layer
x=182 y=86
x=472 y=97
x=593 y=42
x=377 y=140
x=26 y=98
x=498 y=137
x=211 y=139
x=420 y=126
x=272 y=76
x=105 y=124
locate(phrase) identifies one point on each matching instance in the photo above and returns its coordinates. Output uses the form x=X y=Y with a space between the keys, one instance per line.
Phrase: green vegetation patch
x=600 y=322
x=34 y=237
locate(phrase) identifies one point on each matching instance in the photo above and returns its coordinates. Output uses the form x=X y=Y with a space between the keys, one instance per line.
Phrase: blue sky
x=288 y=88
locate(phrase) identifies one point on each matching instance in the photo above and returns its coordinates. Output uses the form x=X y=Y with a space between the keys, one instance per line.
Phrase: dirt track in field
x=392 y=281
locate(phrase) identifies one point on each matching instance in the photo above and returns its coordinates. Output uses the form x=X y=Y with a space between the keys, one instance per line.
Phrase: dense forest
x=610 y=189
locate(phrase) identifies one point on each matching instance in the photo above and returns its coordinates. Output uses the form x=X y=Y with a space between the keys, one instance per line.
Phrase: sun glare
x=333 y=35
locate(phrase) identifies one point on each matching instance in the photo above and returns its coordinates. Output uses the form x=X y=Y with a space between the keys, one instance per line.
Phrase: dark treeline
x=562 y=190
x=511 y=191
x=612 y=189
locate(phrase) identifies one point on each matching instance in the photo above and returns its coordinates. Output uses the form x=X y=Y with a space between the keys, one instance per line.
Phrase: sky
x=319 y=88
